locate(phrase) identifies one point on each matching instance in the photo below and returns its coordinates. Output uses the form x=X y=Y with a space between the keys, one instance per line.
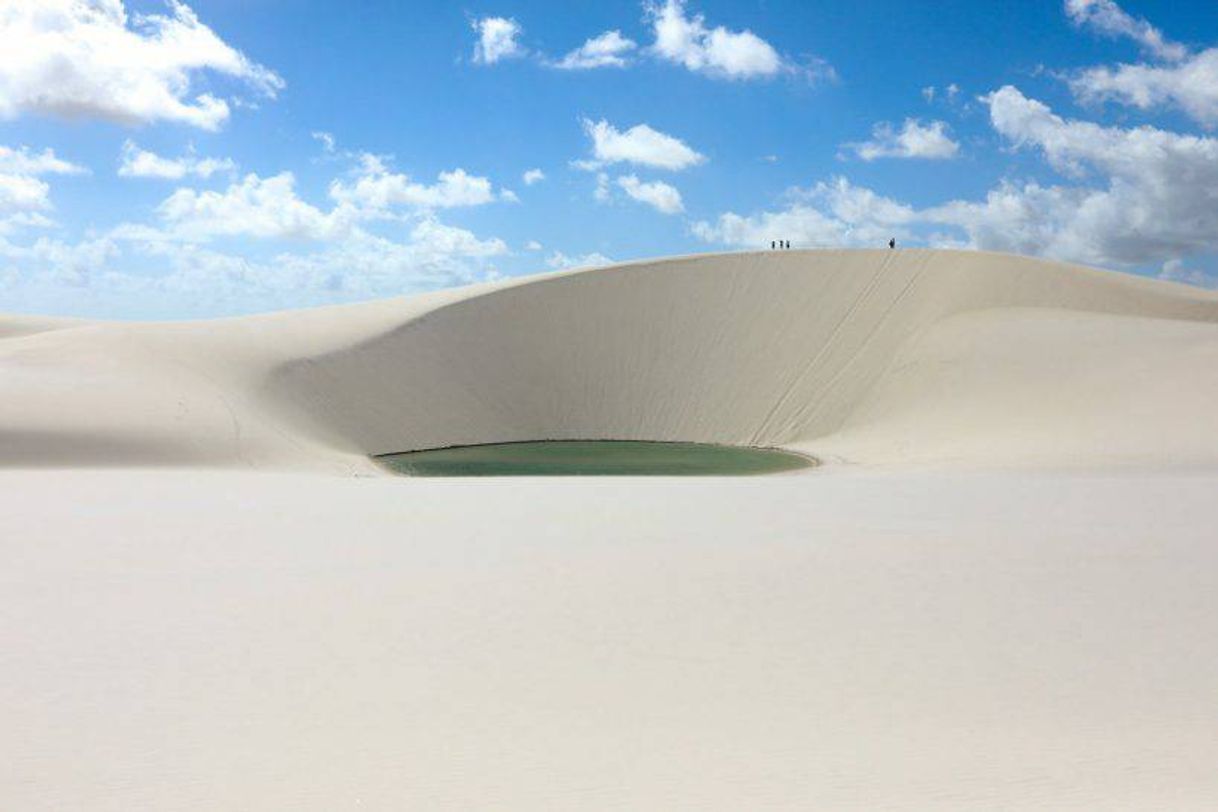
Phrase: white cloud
x=270 y=207
x=328 y=144
x=23 y=193
x=376 y=190
x=1158 y=197
x=835 y=213
x=1175 y=271
x=253 y=207
x=10 y=223
x=639 y=145
x=560 y=261
x=439 y=239
x=1142 y=196
x=91 y=59
x=124 y=276
x=930 y=93
x=1147 y=155
x=139 y=163
x=715 y=51
x=58 y=263
x=24 y=196
x=1191 y=85
x=21 y=161
x=179 y=264
x=533 y=176
x=660 y=196
x=497 y=40
x=913 y=140
x=602 y=187
x=1108 y=18
x=609 y=50
x=532 y=245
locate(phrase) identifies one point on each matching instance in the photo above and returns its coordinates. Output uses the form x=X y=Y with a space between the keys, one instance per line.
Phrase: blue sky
x=232 y=156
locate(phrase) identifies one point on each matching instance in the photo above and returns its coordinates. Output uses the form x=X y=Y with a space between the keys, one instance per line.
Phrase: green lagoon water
x=594 y=458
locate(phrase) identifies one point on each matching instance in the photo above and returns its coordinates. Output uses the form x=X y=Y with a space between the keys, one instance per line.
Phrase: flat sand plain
x=999 y=591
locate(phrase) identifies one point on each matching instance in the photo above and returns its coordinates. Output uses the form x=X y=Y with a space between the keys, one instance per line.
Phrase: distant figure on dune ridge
x=788 y=244
x=892 y=243
x=773 y=244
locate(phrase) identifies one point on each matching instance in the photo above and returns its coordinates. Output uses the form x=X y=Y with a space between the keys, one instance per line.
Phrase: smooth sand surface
x=1000 y=591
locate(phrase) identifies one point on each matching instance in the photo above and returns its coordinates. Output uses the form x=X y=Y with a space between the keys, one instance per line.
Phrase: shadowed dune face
x=757 y=349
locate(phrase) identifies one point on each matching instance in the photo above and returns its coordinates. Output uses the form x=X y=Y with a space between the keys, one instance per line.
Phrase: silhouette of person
x=772 y=245
x=788 y=244
x=892 y=243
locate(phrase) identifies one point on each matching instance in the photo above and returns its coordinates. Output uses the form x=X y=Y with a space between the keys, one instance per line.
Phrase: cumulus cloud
x=181 y=264
x=444 y=240
x=251 y=207
x=376 y=189
x=271 y=208
x=532 y=176
x=560 y=261
x=22 y=161
x=609 y=50
x=91 y=59
x=24 y=196
x=1182 y=79
x=328 y=144
x=1190 y=85
x=1157 y=198
x=679 y=37
x=497 y=40
x=686 y=40
x=913 y=140
x=660 y=196
x=140 y=163
x=1139 y=196
x=833 y=213
x=122 y=275
x=601 y=192
x=638 y=145
x=1109 y=19
x=949 y=94
x=1175 y=270
x=23 y=193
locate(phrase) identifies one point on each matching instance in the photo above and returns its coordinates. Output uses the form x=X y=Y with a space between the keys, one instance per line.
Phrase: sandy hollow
x=1000 y=591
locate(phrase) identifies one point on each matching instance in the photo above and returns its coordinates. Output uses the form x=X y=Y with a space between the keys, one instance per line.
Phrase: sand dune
x=999 y=592
x=860 y=356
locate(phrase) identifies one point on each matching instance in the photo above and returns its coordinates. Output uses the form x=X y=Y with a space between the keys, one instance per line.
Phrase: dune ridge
x=907 y=356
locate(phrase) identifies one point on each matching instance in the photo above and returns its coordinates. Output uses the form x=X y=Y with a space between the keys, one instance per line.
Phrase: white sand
x=1000 y=592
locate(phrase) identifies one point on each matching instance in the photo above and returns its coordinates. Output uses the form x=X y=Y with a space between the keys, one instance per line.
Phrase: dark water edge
x=594 y=458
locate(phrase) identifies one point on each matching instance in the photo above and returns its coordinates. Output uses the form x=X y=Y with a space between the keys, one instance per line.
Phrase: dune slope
x=864 y=356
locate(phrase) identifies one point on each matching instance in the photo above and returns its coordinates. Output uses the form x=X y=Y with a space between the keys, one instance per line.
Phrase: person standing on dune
x=892 y=243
